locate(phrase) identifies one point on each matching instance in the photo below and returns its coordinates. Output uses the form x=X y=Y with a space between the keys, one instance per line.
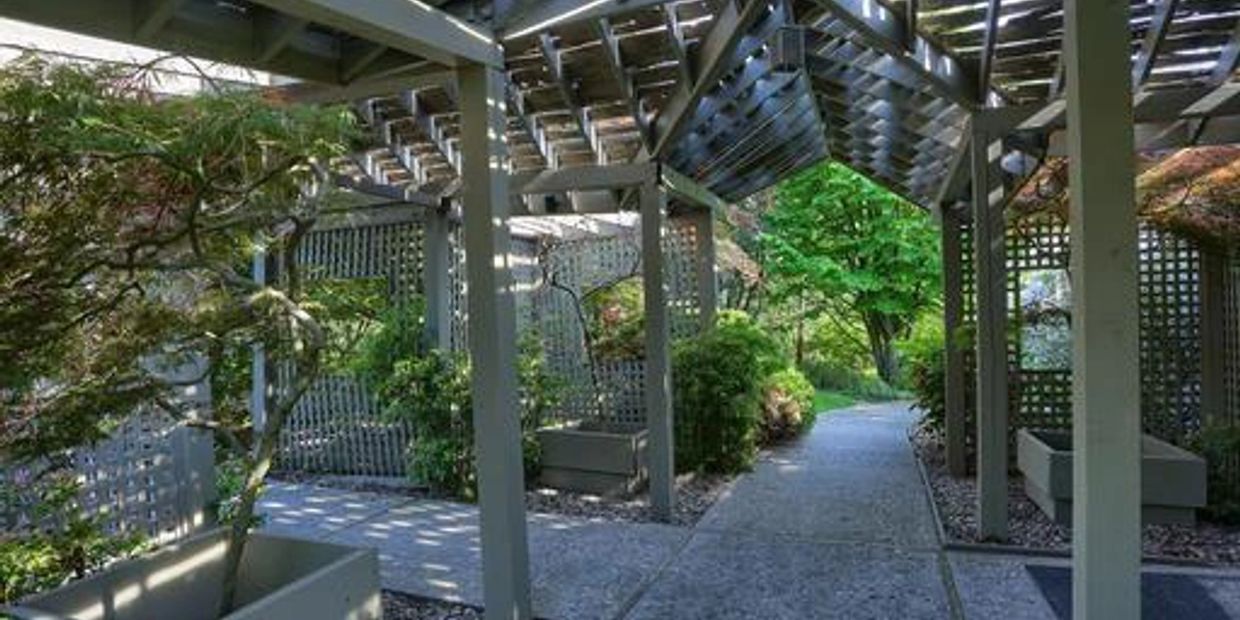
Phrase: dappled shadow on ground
x=431 y=548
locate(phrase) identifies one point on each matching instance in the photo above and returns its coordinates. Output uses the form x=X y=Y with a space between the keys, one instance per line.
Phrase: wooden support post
x=953 y=356
x=436 y=285
x=262 y=270
x=707 y=280
x=1106 y=401
x=1213 y=297
x=989 y=256
x=493 y=344
x=658 y=356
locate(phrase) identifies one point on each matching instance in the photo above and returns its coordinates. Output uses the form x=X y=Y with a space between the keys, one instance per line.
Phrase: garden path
x=835 y=521
x=835 y=525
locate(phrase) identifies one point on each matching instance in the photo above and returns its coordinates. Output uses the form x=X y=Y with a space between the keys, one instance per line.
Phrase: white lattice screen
x=151 y=476
x=337 y=427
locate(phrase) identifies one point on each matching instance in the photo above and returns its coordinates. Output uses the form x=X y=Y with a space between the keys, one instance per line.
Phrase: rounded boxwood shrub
x=717 y=383
x=787 y=405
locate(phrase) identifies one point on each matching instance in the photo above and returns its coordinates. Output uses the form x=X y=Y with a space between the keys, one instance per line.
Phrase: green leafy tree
x=127 y=225
x=838 y=245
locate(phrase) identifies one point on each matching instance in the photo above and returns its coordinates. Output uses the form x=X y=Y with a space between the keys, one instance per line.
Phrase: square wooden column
x=953 y=356
x=493 y=344
x=661 y=461
x=707 y=280
x=1106 y=402
x=436 y=284
x=990 y=255
x=1213 y=287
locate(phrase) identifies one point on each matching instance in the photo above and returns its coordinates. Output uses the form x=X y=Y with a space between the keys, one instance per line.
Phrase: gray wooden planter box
x=281 y=578
x=1173 y=480
x=594 y=458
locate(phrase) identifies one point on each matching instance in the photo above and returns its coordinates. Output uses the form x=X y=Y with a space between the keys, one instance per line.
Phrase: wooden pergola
x=557 y=106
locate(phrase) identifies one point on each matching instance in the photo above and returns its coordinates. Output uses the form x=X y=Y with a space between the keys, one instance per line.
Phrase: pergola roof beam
x=541 y=15
x=312 y=92
x=1155 y=33
x=680 y=47
x=278 y=32
x=615 y=62
x=554 y=57
x=713 y=58
x=590 y=178
x=884 y=30
x=407 y=25
x=1228 y=58
x=355 y=62
x=989 y=39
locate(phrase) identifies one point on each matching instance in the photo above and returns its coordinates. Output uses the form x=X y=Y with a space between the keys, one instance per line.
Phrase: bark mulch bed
x=1028 y=527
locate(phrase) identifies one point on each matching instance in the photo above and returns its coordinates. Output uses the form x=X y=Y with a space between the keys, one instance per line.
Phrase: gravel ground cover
x=401 y=606
x=695 y=494
x=956 y=499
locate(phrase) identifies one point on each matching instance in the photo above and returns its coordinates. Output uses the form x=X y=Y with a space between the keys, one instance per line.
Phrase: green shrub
x=36 y=556
x=927 y=375
x=787 y=405
x=1220 y=446
x=430 y=389
x=718 y=379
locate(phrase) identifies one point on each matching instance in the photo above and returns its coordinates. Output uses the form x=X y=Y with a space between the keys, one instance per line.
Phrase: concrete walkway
x=835 y=525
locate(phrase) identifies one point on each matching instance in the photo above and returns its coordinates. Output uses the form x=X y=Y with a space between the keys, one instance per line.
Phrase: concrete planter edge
x=281 y=578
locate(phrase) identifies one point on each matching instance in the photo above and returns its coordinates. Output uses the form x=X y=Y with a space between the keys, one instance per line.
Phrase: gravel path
x=956 y=499
x=401 y=606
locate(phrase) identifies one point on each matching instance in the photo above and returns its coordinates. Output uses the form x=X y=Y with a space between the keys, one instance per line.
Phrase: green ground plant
x=1219 y=445
x=46 y=542
x=430 y=389
x=733 y=389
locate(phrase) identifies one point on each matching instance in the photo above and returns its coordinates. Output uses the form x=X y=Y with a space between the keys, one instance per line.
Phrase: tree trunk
x=882 y=346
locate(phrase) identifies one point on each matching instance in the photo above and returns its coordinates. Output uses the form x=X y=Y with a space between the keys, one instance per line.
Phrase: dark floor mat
x=1164 y=596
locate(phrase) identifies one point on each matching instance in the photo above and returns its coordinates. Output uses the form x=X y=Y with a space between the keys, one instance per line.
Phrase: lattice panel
x=337 y=427
x=150 y=477
x=457 y=303
x=1169 y=337
x=390 y=251
x=1168 y=277
x=582 y=264
x=1041 y=397
x=680 y=269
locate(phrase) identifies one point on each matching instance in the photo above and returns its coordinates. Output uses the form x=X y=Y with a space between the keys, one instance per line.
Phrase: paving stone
x=852 y=479
x=311 y=511
x=735 y=575
x=579 y=568
x=993 y=586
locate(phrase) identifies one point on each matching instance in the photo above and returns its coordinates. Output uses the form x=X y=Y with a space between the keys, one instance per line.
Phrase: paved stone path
x=836 y=525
